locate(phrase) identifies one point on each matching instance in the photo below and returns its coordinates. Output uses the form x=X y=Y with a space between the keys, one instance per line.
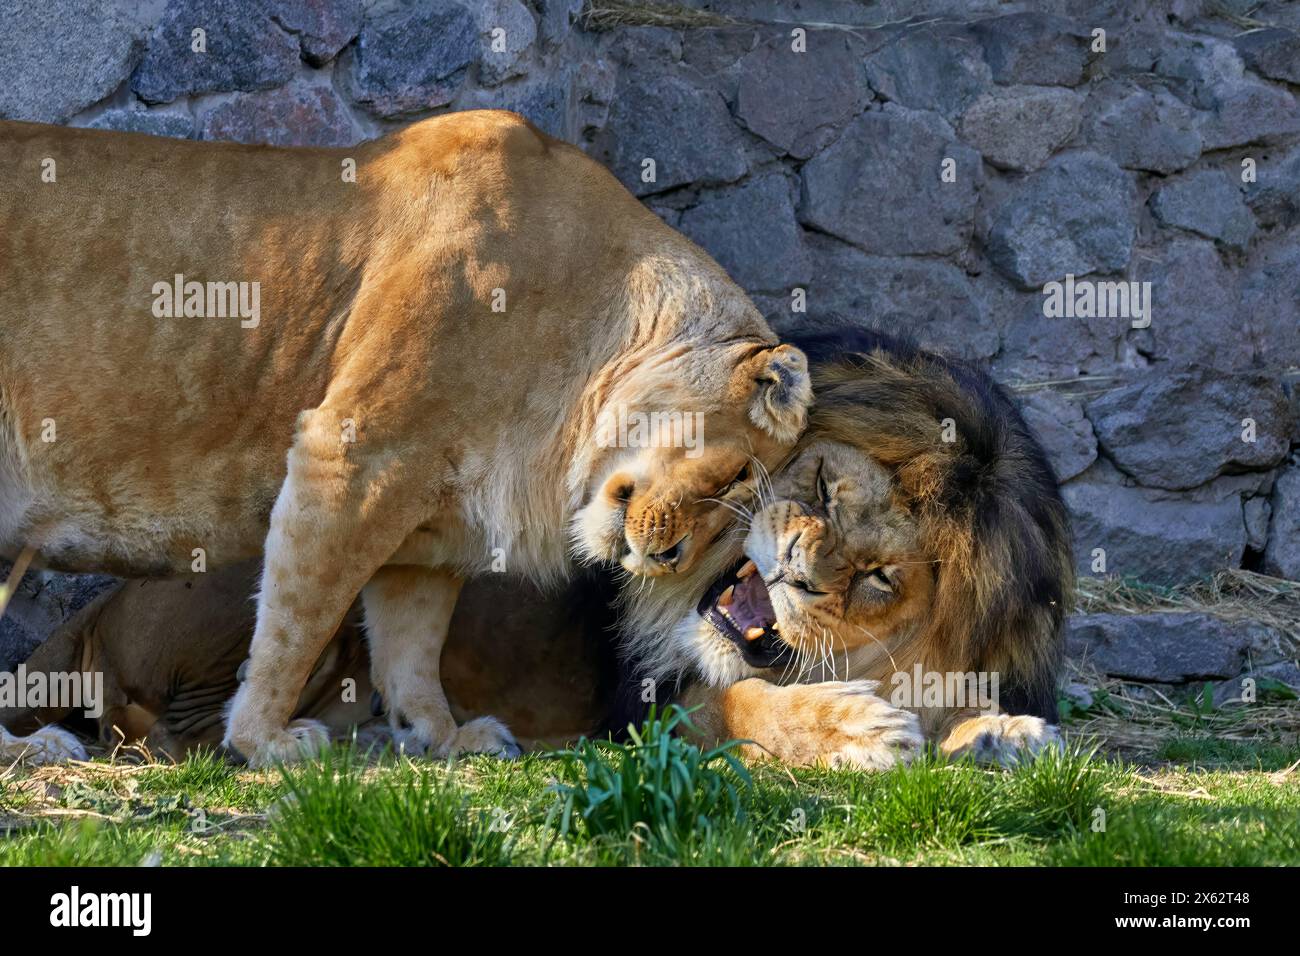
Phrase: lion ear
x=782 y=393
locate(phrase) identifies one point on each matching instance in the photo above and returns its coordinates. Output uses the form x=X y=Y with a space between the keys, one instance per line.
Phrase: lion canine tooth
x=749 y=568
x=754 y=633
x=724 y=599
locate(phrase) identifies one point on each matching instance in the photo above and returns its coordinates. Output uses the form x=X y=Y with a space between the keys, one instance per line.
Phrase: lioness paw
x=49 y=745
x=1001 y=739
x=300 y=740
x=485 y=735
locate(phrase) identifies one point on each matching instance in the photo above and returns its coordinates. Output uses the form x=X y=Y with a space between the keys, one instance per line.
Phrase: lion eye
x=879 y=580
x=823 y=492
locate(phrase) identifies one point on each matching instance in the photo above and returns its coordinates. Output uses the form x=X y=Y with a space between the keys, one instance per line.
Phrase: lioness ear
x=783 y=392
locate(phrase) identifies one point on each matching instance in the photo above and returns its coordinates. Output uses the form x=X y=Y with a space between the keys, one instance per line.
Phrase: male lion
x=433 y=332
x=917 y=531
x=905 y=548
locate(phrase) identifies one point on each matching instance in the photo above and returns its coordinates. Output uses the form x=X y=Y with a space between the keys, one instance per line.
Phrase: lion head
x=916 y=521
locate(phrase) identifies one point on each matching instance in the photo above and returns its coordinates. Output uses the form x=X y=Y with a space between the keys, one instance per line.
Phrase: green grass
x=669 y=796
x=657 y=800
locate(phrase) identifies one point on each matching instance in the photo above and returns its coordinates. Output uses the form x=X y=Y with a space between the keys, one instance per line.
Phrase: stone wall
x=930 y=175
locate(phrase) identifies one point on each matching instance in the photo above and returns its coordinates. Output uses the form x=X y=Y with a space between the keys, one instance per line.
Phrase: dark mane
x=988 y=501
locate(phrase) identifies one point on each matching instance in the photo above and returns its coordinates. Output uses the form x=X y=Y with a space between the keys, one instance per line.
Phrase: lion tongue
x=751 y=608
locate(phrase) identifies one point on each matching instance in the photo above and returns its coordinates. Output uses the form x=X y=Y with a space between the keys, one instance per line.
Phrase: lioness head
x=680 y=447
x=917 y=521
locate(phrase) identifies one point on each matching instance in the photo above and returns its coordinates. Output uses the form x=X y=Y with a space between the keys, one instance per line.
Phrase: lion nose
x=807 y=531
x=801 y=546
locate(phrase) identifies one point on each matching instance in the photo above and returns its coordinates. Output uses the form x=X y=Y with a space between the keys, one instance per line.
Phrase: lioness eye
x=741 y=476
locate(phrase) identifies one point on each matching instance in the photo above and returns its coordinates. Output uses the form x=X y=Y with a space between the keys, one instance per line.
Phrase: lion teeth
x=724 y=599
x=754 y=633
x=749 y=568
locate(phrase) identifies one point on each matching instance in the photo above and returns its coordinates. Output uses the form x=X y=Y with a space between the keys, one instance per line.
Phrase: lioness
x=433 y=332
x=960 y=563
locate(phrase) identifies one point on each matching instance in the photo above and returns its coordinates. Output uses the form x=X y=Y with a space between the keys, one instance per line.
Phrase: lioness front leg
x=834 y=724
x=336 y=520
x=408 y=612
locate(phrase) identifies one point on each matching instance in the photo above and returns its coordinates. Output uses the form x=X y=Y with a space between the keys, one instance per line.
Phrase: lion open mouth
x=739 y=608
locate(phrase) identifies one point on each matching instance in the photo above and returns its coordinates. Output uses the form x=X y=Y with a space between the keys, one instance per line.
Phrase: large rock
x=291 y=116
x=1074 y=215
x=149 y=122
x=1269 y=303
x=16 y=644
x=1238 y=109
x=799 y=101
x=1282 y=555
x=1037 y=347
x=1168 y=647
x=1281 y=13
x=1256 y=513
x=1274 y=196
x=1181 y=430
x=926 y=69
x=45 y=599
x=42 y=601
x=545 y=102
x=753 y=234
x=1206 y=202
x=1150 y=130
x=1195 y=309
x=59 y=56
x=557 y=18
x=413 y=57
x=1035 y=48
x=685 y=129
x=927 y=300
x=323 y=27
x=1200 y=68
x=507 y=32
x=1251 y=113
x=1020 y=127
x=1271 y=52
x=1063 y=430
x=245 y=50
x=878 y=186
x=1148 y=534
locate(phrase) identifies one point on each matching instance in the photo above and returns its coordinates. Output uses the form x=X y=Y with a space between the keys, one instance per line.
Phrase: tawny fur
x=381 y=411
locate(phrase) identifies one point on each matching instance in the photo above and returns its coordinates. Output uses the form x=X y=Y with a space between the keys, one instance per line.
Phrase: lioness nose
x=619 y=488
x=671 y=556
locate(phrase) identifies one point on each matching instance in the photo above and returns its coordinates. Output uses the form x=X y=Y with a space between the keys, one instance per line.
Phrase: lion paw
x=301 y=739
x=843 y=724
x=1001 y=739
x=485 y=735
x=48 y=745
